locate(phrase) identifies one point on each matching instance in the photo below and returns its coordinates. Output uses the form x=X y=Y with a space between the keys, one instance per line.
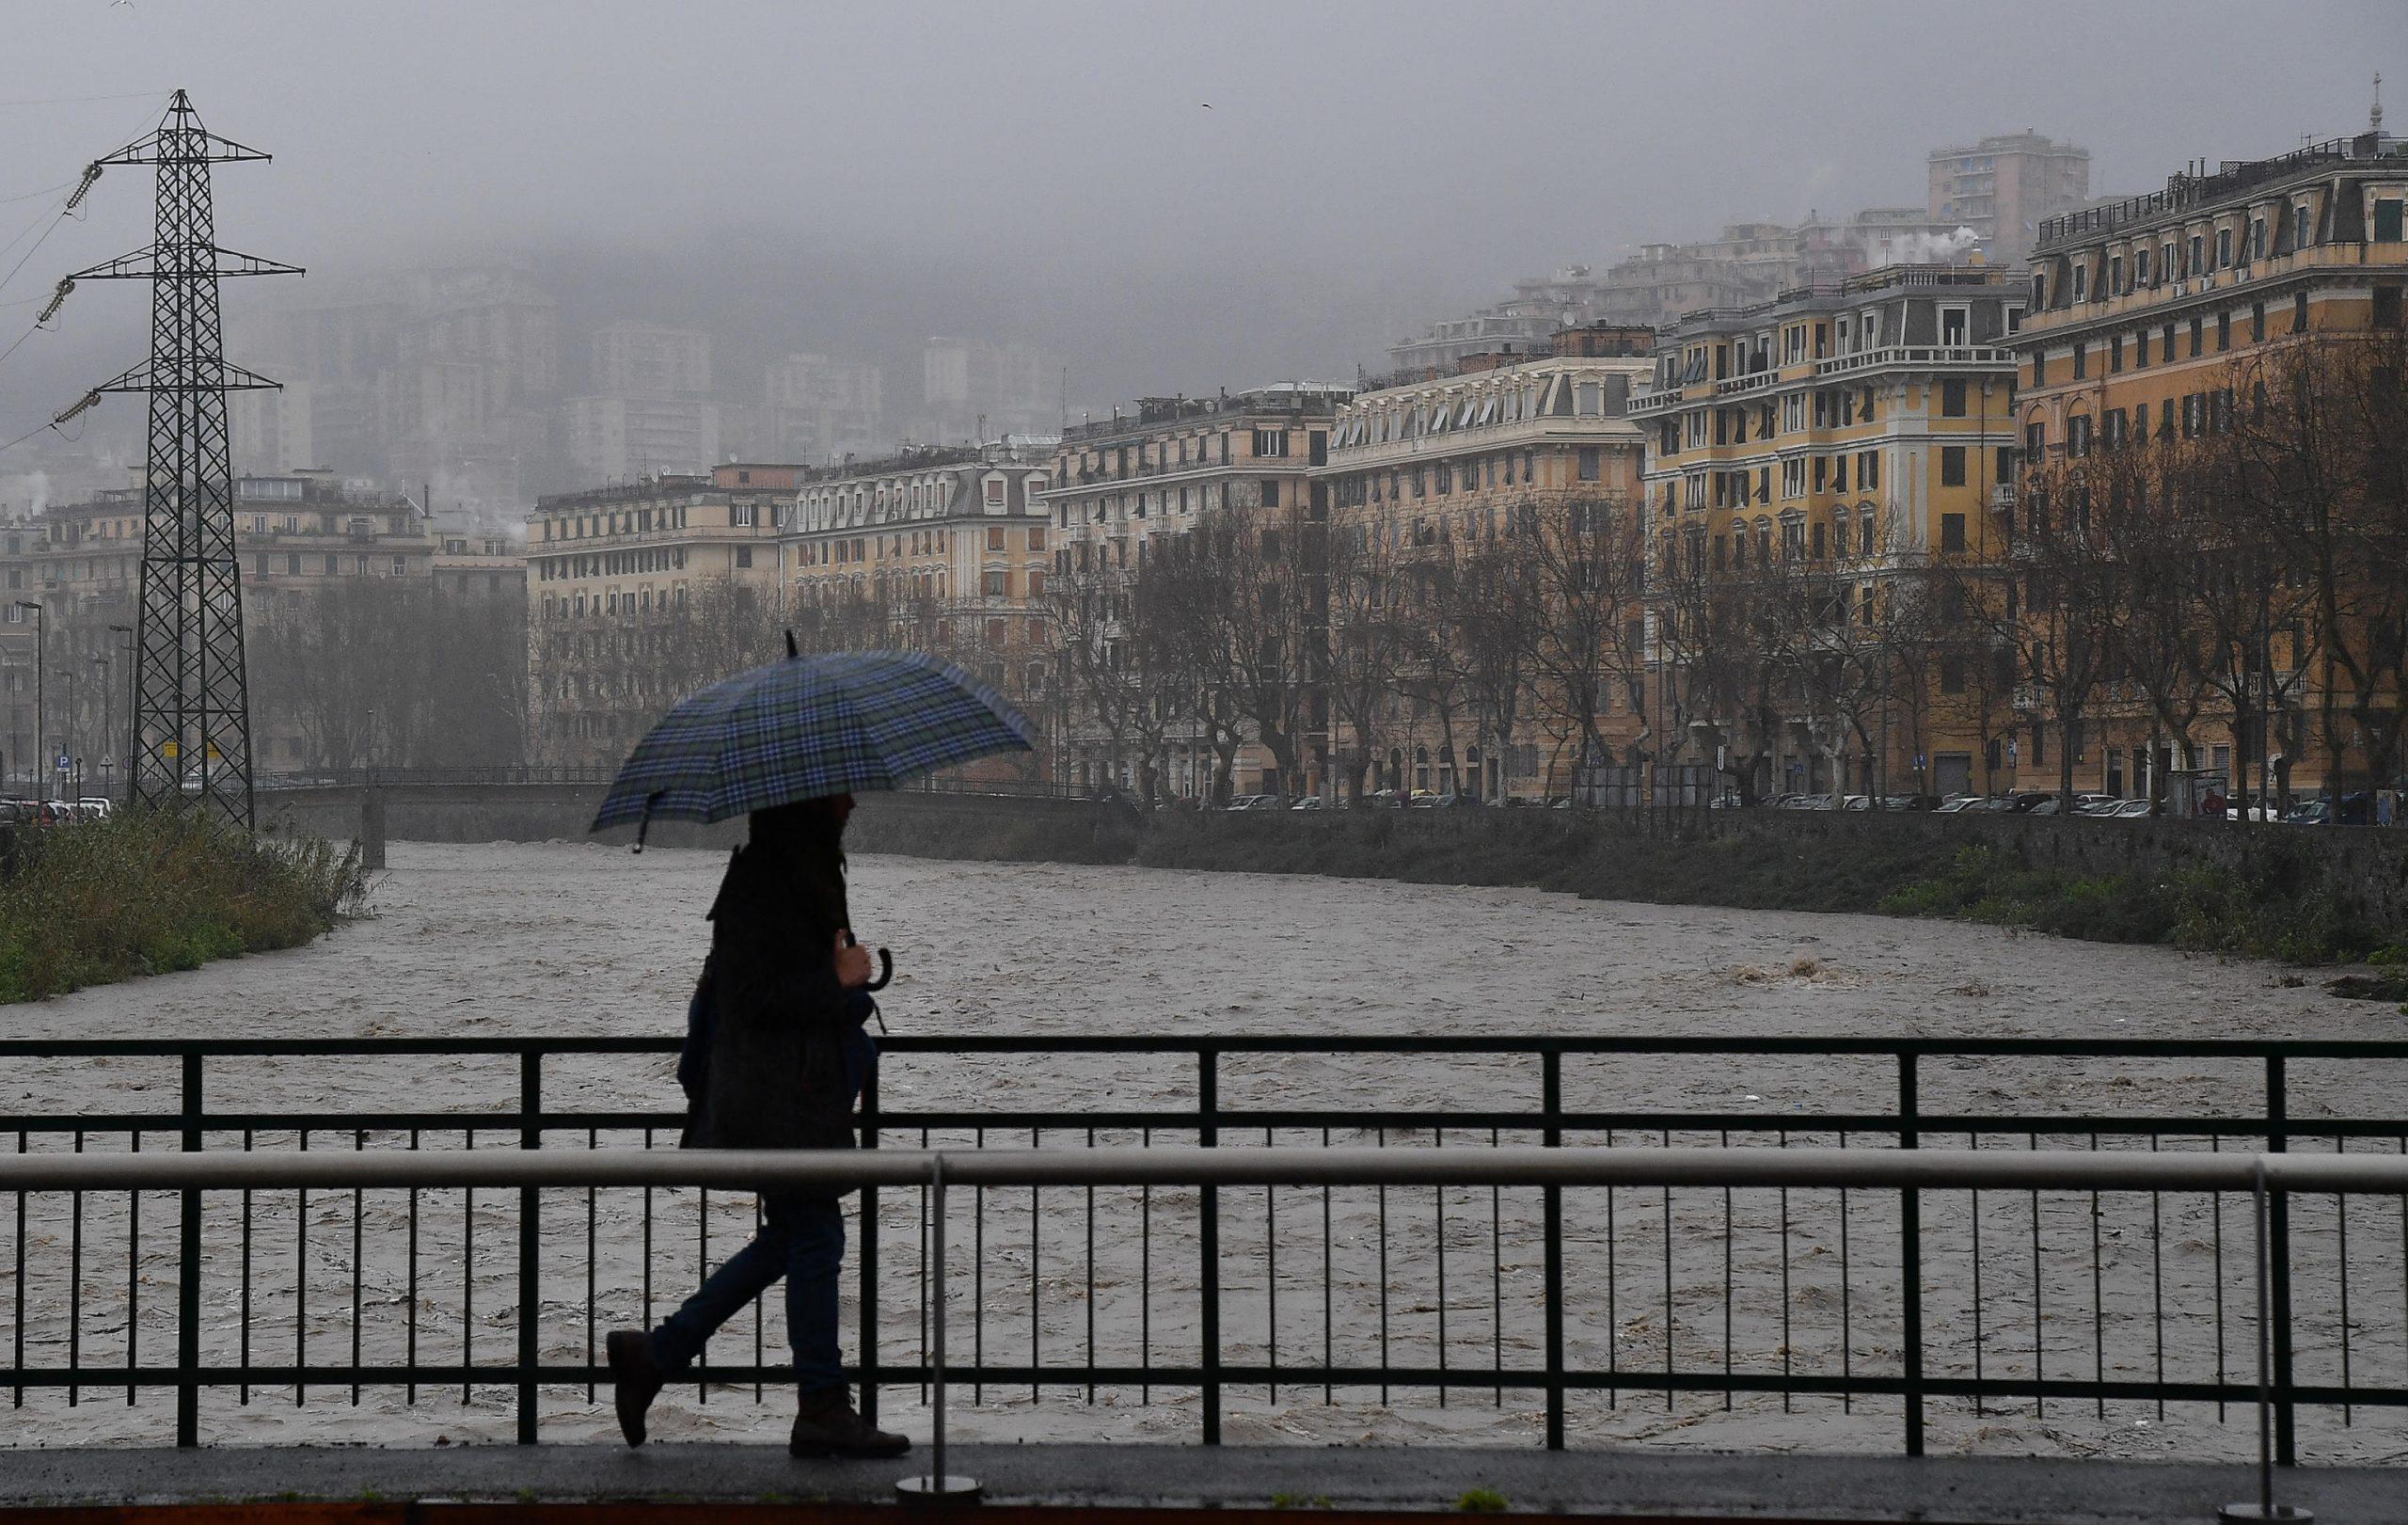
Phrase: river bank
x=147 y=892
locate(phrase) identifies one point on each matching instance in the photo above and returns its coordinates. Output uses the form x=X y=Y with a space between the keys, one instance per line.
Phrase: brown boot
x=636 y=1379
x=826 y=1425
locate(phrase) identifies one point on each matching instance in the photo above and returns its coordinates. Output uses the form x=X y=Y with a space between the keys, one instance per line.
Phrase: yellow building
x=2157 y=325
x=1803 y=455
x=1449 y=501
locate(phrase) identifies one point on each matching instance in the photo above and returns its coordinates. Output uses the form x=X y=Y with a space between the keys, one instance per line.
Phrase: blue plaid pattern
x=808 y=727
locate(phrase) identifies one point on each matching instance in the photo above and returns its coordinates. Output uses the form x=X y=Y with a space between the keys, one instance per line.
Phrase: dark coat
x=772 y=1069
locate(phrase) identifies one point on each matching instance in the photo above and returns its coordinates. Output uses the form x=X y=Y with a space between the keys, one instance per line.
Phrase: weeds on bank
x=147 y=892
x=2274 y=909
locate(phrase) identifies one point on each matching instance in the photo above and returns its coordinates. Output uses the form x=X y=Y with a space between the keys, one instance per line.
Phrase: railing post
x=2278 y=1251
x=531 y=1291
x=188 y=1274
x=1208 y=1213
x=1551 y=1136
x=1911 y=1257
x=869 y=1254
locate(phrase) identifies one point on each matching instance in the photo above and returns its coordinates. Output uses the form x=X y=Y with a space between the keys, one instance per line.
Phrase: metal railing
x=1584 y=1274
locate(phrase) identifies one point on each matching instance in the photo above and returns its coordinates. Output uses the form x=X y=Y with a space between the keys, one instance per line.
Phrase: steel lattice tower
x=191 y=719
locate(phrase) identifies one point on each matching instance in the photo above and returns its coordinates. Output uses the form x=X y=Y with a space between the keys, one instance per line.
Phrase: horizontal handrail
x=1231 y=1044
x=1117 y=1166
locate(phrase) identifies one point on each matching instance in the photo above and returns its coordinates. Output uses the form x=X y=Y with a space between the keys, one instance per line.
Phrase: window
x=2140 y=350
x=995 y=538
x=1817 y=552
x=994 y=582
x=1591 y=464
x=2223 y=248
x=740 y=515
x=1868 y=470
x=1822 y=472
x=2194 y=265
x=2387 y=220
x=1952 y=465
x=2198 y=337
x=994 y=492
x=2080 y=280
x=1037 y=532
x=743 y=555
x=1952 y=399
x=401 y=567
x=2300 y=230
x=2040 y=368
x=1953 y=322
x=2223 y=330
x=2298 y=312
x=2081 y=360
x=1271 y=485
x=2256 y=321
x=2115 y=352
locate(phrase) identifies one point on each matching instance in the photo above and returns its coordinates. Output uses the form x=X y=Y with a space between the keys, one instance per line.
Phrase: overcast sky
x=1051 y=171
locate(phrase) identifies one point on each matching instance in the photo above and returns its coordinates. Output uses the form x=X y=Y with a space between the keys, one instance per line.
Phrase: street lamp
x=132 y=726
x=42 y=752
x=102 y=663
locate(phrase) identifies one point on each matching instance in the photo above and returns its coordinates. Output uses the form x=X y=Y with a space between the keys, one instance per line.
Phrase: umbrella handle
x=885 y=962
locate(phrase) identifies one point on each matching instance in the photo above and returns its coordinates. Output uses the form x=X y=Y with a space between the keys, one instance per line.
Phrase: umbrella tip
x=792 y=650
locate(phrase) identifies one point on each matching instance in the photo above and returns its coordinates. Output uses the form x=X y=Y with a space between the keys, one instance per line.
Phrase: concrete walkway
x=1989 y=1491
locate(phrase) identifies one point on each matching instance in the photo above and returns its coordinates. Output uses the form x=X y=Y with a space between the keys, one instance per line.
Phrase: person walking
x=776 y=1056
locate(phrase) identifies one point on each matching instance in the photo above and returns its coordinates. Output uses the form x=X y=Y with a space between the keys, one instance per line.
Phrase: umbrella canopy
x=809 y=726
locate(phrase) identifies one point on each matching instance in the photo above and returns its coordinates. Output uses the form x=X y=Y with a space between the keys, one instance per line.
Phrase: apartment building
x=1566 y=297
x=1162 y=469
x=1843 y=432
x=2156 y=322
x=2005 y=186
x=1422 y=480
x=938 y=550
x=640 y=591
x=295 y=537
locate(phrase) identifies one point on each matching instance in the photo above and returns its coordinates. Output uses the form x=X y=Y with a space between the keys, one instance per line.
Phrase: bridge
x=1887 y=1264
x=540 y=804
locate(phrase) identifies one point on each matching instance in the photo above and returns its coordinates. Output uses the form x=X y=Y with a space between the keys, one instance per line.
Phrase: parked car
x=1956 y=803
x=1425 y=799
x=1858 y=801
x=1310 y=801
x=1908 y=801
x=1383 y=799
x=19 y=812
x=1255 y=801
x=2096 y=806
x=1558 y=801
x=2129 y=810
x=2310 y=813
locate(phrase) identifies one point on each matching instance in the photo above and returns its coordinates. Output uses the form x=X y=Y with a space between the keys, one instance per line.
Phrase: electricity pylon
x=192 y=724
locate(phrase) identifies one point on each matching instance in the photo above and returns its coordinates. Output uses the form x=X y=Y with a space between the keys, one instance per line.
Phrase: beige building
x=1423 y=475
x=640 y=591
x=1120 y=483
x=295 y=534
x=943 y=550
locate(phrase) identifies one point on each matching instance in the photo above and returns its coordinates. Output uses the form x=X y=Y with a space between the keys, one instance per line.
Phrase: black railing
x=1962 y=1308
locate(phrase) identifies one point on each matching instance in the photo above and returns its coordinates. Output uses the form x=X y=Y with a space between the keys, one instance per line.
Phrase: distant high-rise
x=1015 y=388
x=2005 y=186
x=643 y=359
x=819 y=410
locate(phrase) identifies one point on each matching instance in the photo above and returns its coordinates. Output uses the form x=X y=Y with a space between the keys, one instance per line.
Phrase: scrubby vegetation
x=2279 y=909
x=148 y=892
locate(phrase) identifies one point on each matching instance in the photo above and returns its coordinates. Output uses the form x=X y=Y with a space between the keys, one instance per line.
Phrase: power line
x=86 y=100
x=28 y=195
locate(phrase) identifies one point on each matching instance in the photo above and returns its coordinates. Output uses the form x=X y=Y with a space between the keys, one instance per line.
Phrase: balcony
x=2003 y=498
x=1919 y=357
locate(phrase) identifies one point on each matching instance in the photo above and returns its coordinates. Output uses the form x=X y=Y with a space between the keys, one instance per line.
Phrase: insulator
x=57 y=298
x=90 y=399
x=75 y=197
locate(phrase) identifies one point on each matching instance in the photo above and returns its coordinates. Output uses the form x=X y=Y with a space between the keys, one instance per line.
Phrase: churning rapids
x=560 y=939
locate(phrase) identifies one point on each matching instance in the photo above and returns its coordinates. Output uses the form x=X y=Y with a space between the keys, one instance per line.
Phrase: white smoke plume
x=1922 y=248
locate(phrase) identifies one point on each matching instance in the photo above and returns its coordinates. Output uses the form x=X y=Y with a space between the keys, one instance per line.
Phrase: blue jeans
x=802 y=1240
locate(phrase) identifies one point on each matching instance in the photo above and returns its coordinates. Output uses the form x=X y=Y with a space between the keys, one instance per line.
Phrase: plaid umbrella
x=810 y=727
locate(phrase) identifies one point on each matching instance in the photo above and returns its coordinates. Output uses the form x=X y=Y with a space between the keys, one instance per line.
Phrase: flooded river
x=560 y=939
